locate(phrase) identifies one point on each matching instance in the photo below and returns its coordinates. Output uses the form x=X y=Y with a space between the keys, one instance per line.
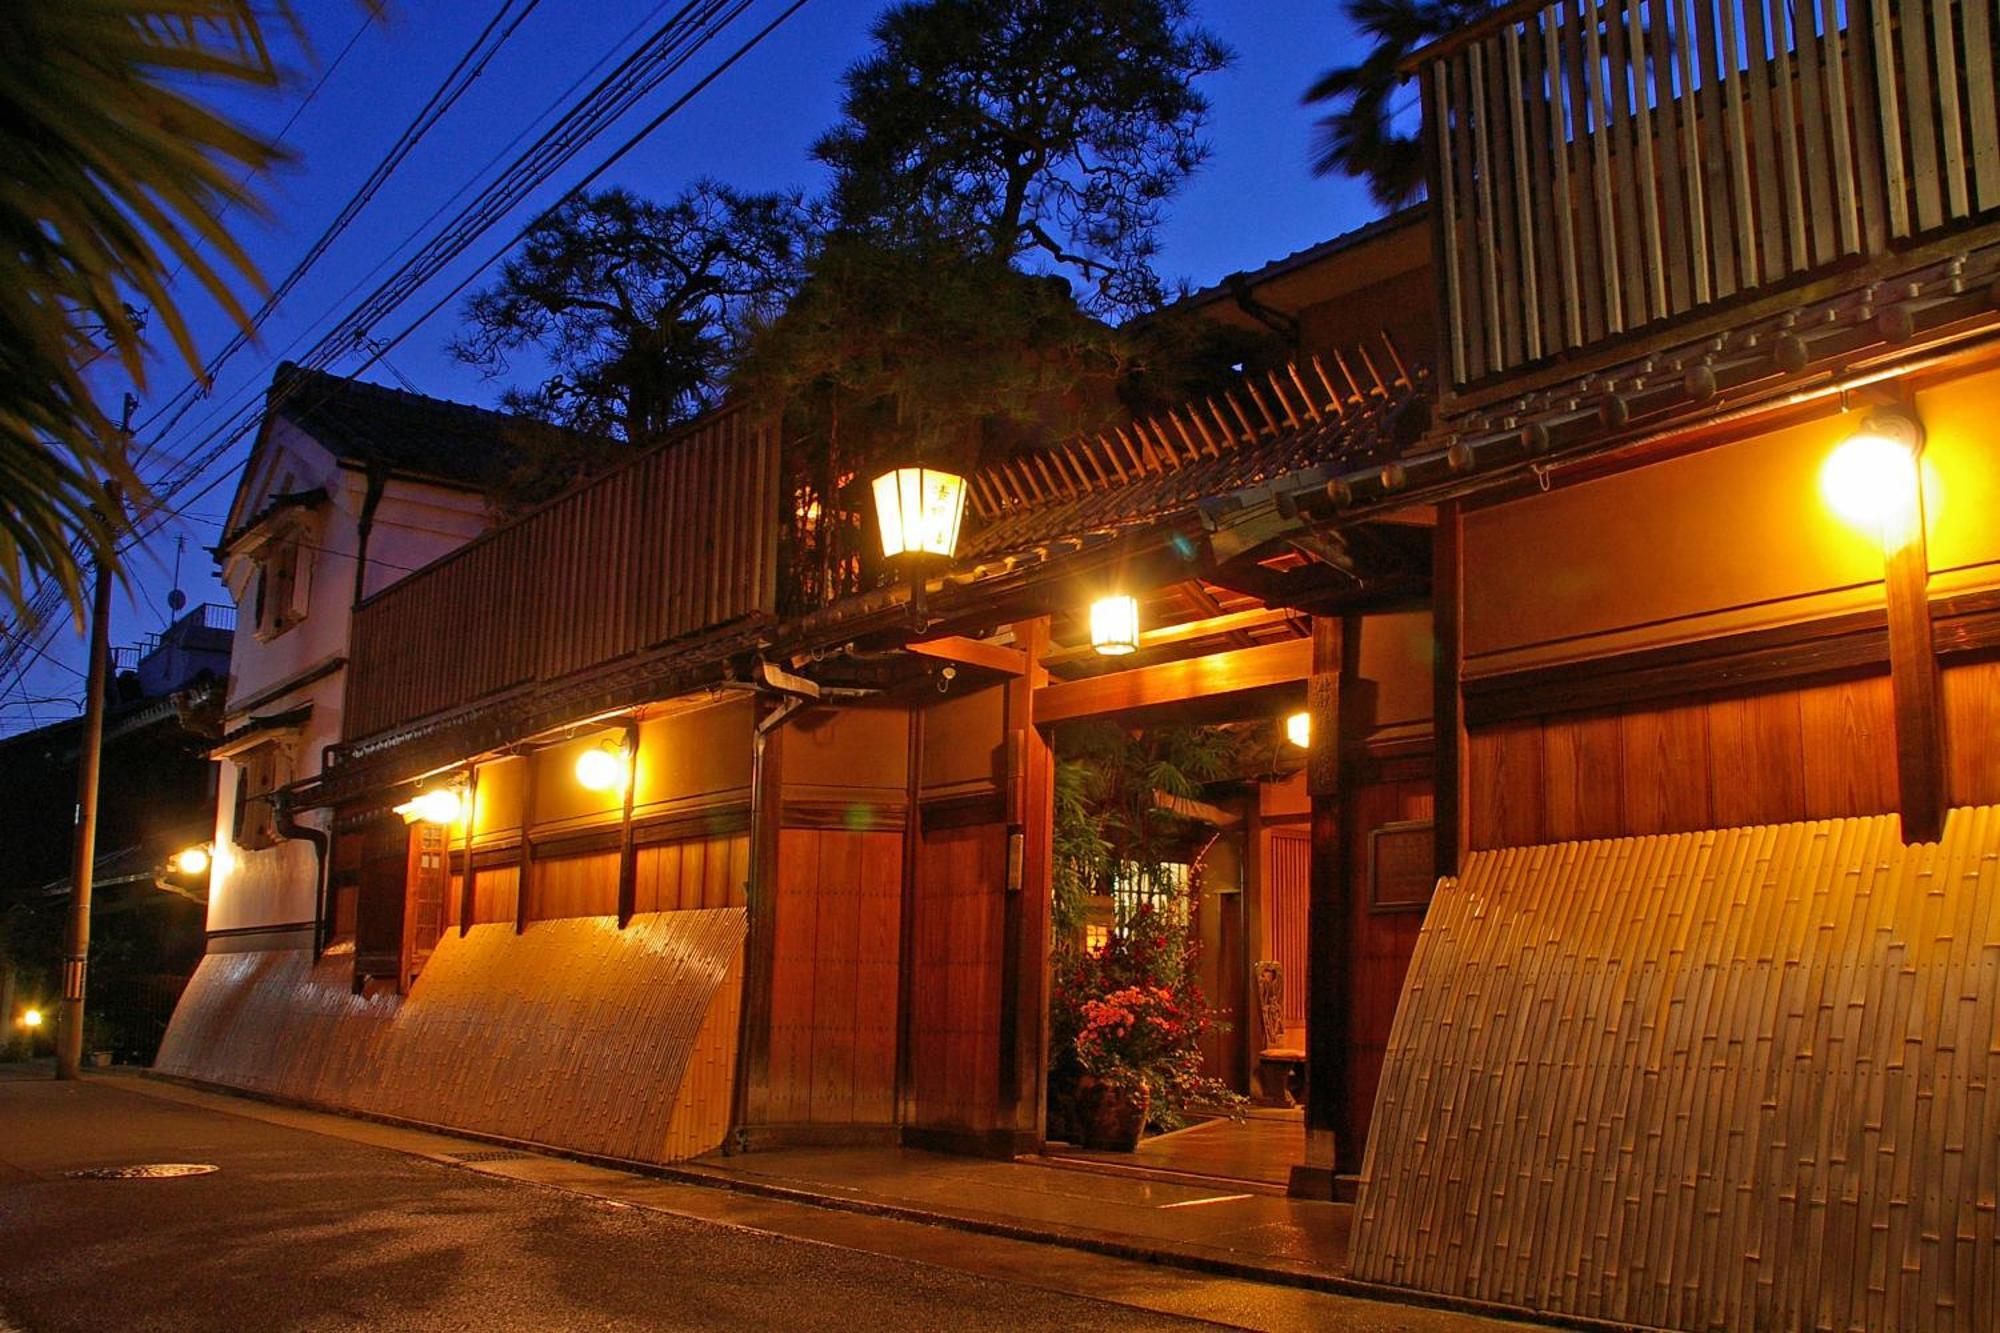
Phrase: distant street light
x=31 y=1018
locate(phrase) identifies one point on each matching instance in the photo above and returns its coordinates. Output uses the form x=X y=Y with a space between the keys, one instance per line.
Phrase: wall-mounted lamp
x=604 y=767
x=191 y=861
x=1114 y=625
x=1871 y=480
x=439 y=805
x=1299 y=730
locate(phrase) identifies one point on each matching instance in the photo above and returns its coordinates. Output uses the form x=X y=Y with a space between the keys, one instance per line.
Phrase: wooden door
x=1288 y=883
x=427 y=873
x=958 y=914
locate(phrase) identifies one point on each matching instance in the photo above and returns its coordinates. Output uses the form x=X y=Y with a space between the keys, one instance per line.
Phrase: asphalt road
x=299 y=1230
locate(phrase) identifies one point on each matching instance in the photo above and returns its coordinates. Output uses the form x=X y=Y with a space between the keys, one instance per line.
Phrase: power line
x=669 y=50
x=471 y=64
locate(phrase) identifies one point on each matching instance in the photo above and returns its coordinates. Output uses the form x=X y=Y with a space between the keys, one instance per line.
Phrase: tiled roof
x=408 y=433
x=1298 y=259
x=1152 y=472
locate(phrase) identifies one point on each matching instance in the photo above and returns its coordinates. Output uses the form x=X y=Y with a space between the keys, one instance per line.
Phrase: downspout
x=289 y=828
x=371 y=497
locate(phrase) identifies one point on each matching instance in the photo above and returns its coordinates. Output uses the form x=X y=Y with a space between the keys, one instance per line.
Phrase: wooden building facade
x=1701 y=1015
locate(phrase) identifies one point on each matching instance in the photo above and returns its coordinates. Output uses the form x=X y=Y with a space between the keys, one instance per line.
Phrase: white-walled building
x=350 y=487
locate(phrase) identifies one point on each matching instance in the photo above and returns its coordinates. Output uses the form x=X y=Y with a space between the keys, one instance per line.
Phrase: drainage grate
x=149 y=1171
x=490 y=1155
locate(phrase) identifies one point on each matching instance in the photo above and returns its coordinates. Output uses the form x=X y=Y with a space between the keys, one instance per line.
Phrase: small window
x=283 y=568
x=1164 y=888
x=260 y=771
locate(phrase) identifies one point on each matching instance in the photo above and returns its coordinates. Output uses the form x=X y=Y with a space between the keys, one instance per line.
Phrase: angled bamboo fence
x=1746 y=1078
x=573 y=1033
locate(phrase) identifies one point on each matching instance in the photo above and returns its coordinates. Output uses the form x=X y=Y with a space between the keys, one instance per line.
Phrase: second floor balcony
x=1602 y=169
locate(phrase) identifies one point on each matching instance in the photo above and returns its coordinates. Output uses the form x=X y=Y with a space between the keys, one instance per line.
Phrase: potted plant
x=1128 y=1042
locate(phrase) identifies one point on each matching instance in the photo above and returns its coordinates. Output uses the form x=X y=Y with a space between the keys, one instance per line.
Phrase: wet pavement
x=315 y=1221
x=1120 y=1213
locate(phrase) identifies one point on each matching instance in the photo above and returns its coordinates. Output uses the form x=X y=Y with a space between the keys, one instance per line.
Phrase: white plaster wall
x=414 y=524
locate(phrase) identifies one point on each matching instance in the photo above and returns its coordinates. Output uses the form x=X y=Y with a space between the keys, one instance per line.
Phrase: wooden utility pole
x=76 y=954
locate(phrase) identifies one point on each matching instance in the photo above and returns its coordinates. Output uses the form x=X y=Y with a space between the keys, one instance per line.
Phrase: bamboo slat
x=1720 y=1078
x=1603 y=166
x=574 y=1034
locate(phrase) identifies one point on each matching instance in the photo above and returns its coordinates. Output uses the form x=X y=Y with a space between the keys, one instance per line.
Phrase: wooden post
x=1332 y=1147
x=1448 y=700
x=1024 y=1009
x=468 y=883
x=628 y=855
x=1913 y=674
x=526 y=875
x=750 y=1098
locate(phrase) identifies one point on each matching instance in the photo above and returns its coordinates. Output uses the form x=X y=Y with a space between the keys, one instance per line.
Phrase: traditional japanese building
x=1622 y=528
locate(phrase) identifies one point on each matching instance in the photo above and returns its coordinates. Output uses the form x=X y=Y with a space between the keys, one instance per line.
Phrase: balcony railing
x=1601 y=167
x=683 y=538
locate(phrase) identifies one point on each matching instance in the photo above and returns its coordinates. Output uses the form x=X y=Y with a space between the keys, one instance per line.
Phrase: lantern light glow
x=919 y=510
x=604 y=768
x=31 y=1018
x=1114 y=625
x=1299 y=730
x=1871 y=479
x=191 y=861
x=440 y=805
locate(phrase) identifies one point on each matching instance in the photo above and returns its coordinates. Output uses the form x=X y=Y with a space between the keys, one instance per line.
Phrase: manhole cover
x=149 y=1171
x=490 y=1155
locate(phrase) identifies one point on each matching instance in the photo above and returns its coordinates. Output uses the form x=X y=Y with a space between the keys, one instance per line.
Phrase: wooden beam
x=1232 y=623
x=1238 y=671
x=1913 y=676
x=1448 y=686
x=964 y=651
x=1199 y=811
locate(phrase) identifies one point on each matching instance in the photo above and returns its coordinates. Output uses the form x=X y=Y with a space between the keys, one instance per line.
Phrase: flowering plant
x=1130 y=1015
x=1134 y=1034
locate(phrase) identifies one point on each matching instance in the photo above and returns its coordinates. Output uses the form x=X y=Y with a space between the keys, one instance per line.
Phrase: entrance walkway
x=1258 y=1151
x=1208 y=1224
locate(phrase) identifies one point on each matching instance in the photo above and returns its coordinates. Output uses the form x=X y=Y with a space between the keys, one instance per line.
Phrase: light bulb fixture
x=919 y=510
x=1299 y=730
x=1871 y=479
x=31 y=1018
x=439 y=805
x=605 y=767
x=1114 y=625
x=191 y=861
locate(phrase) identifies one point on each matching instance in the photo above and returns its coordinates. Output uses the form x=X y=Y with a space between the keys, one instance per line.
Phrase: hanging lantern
x=1299 y=730
x=440 y=805
x=1114 y=625
x=604 y=768
x=919 y=510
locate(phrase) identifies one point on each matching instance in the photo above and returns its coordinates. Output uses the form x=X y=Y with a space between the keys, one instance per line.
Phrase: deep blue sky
x=1255 y=200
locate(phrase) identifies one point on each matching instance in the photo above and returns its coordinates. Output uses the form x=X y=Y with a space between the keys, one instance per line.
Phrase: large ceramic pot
x=1112 y=1116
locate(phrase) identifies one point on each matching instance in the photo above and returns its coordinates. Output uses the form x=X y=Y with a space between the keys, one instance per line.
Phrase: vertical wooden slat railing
x=680 y=539
x=1602 y=167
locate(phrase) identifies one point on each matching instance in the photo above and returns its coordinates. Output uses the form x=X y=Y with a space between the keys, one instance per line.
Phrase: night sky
x=1256 y=199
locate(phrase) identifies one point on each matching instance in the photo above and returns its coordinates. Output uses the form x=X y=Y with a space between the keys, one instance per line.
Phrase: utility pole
x=76 y=956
